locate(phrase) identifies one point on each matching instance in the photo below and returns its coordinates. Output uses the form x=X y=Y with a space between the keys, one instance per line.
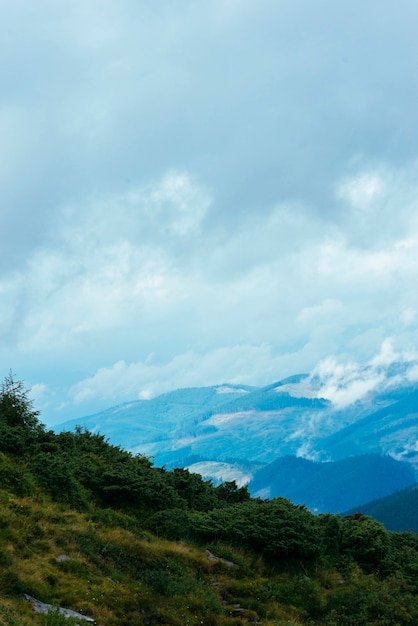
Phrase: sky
x=195 y=193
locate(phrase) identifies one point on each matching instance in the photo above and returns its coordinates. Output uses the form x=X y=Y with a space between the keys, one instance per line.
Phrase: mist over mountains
x=331 y=440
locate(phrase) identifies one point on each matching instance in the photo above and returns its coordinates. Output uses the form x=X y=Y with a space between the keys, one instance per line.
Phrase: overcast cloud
x=195 y=193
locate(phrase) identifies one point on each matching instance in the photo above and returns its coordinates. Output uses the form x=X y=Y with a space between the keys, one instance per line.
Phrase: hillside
x=89 y=527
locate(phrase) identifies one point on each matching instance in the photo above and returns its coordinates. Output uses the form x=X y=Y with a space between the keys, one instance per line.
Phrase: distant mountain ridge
x=227 y=432
x=398 y=511
x=332 y=486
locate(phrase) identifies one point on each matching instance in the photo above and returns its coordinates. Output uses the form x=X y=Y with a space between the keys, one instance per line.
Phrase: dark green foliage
x=278 y=529
x=403 y=549
x=10 y=583
x=301 y=591
x=231 y=493
x=56 y=473
x=19 y=423
x=77 y=466
x=174 y=524
x=330 y=526
x=364 y=540
x=115 y=519
x=133 y=486
x=196 y=493
x=14 y=477
x=371 y=601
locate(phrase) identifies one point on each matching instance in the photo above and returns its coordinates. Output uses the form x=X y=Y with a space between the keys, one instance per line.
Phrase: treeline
x=82 y=470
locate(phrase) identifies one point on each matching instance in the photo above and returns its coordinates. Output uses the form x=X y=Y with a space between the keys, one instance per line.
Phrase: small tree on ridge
x=19 y=421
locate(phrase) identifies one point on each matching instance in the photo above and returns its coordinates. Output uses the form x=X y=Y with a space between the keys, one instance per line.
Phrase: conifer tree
x=19 y=421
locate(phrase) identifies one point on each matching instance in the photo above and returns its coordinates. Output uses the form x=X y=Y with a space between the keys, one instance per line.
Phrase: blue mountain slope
x=335 y=486
x=398 y=511
x=255 y=427
x=392 y=429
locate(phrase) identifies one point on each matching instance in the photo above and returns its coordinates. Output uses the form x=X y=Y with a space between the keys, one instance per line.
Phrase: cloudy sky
x=204 y=192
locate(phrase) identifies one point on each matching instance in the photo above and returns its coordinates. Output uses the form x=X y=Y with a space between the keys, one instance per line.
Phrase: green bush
x=364 y=540
x=278 y=529
x=15 y=477
x=56 y=473
x=174 y=524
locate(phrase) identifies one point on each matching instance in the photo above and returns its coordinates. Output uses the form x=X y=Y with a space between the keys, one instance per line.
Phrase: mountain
x=397 y=512
x=211 y=423
x=230 y=432
x=332 y=486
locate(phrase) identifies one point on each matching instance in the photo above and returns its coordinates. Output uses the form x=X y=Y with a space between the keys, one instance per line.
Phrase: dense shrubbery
x=328 y=569
x=278 y=529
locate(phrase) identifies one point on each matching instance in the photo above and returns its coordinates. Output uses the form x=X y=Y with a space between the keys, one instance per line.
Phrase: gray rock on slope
x=42 y=607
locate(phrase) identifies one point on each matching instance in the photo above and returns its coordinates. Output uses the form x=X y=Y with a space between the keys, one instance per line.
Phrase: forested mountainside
x=93 y=528
x=397 y=512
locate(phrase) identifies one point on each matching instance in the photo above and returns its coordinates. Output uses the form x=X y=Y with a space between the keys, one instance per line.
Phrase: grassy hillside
x=90 y=527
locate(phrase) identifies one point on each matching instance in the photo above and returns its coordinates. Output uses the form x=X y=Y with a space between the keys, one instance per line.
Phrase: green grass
x=122 y=574
x=114 y=574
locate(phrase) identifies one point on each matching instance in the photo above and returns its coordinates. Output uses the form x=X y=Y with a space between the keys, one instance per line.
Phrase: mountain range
x=289 y=438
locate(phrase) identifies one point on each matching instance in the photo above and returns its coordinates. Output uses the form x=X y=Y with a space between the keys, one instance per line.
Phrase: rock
x=213 y=557
x=42 y=607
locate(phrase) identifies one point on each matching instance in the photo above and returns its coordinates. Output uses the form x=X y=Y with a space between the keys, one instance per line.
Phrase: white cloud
x=344 y=383
x=412 y=374
x=386 y=356
x=379 y=204
x=361 y=190
x=146 y=379
x=96 y=275
x=352 y=391
x=408 y=316
x=318 y=313
x=39 y=393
